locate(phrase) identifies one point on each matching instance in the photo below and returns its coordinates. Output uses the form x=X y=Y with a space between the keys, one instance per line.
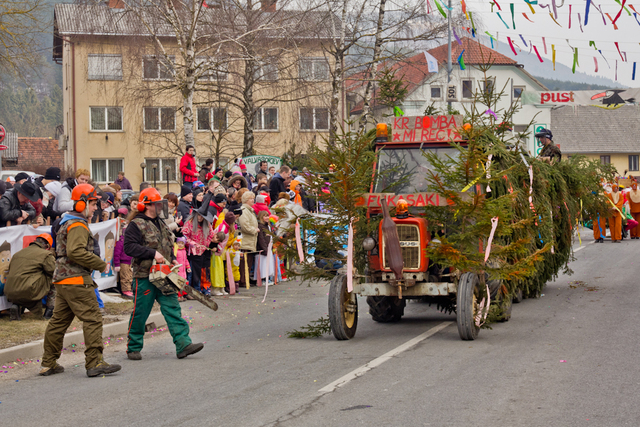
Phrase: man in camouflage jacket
x=146 y=239
x=550 y=153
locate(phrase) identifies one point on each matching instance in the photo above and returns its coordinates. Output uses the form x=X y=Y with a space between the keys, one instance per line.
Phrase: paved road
x=569 y=358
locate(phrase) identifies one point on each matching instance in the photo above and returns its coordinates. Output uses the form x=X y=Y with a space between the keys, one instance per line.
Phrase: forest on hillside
x=27 y=114
x=555 y=85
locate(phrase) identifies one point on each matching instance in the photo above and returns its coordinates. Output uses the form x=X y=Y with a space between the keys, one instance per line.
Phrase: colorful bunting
x=605 y=59
x=527 y=18
x=511 y=45
x=619 y=12
x=624 y=7
x=464 y=9
x=492 y=38
x=615 y=27
x=596 y=61
x=554 y=19
x=586 y=13
x=505 y=24
x=533 y=11
x=544 y=43
x=513 y=19
x=456 y=36
x=580 y=22
x=618 y=47
x=616 y=70
x=473 y=26
x=440 y=8
x=522 y=38
x=592 y=43
x=496 y=3
x=575 y=60
x=539 y=57
x=570 y=16
x=633 y=74
x=635 y=15
x=553 y=56
x=461 y=61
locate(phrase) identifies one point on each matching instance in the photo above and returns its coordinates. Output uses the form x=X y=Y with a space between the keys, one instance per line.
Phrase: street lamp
x=167 y=171
x=143 y=165
x=155 y=168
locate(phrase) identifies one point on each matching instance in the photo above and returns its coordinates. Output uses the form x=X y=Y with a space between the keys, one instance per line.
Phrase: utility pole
x=449 y=66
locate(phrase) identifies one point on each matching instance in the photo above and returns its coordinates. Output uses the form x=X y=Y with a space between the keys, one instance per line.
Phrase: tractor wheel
x=386 y=309
x=518 y=297
x=343 y=309
x=469 y=295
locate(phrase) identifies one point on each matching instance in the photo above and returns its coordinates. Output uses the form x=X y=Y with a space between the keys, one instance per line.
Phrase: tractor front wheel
x=343 y=309
x=470 y=293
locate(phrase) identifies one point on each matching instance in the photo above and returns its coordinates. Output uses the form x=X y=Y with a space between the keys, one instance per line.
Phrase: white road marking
x=380 y=360
x=582 y=247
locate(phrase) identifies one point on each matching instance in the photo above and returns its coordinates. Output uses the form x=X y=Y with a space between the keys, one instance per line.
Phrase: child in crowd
x=265 y=261
x=122 y=261
x=235 y=255
x=223 y=227
x=181 y=257
x=261 y=205
x=198 y=229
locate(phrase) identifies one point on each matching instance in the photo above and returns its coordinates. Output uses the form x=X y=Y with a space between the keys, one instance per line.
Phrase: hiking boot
x=14 y=312
x=48 y=313
x=46 y=371
x=127 y=295
x=134 y=355
x=102 y=368
x=190 y=349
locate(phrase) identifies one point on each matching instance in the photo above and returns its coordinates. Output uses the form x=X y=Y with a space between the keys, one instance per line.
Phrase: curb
x=36 y=348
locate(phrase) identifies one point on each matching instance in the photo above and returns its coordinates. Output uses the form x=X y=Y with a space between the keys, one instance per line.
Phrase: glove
x=117 y=269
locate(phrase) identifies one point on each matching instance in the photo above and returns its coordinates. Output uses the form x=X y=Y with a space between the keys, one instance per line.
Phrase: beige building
x=123 y=110
x=611 y=136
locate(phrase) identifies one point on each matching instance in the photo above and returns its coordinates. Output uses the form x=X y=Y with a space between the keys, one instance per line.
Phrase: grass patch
x=31 y=329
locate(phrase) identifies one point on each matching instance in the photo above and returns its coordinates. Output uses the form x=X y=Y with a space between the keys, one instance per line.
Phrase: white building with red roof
x=427 y=88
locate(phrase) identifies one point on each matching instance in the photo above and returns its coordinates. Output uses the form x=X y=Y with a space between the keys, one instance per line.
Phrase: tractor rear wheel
x=343 y=309
x=386 y=309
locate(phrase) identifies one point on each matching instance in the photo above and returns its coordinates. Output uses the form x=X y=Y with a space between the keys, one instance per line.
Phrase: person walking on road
x=75 y=294
x=634 y=208
x=615 y=221
x=146 y=239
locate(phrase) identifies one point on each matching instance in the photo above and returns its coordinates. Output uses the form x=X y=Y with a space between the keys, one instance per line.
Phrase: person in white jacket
x=63 y=201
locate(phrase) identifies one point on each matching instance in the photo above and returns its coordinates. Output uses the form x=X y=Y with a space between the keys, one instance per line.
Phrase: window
x=488 y=86
x=313 y=69
x=266 y=119
x=213 y=71
x=633 y=163
x=159 y=118
x=266 y=71
x=517 y=91
x=106 y=170
x=154 y=68
x=519 y=131
x=212 y=119
x=605 y=160
x=467 y=89
x=436 y=92
x=106 y=119
x=165 y=170
x=314 y=119
x=105 y=67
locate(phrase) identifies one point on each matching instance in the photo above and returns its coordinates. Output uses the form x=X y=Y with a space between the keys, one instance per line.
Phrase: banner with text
x=419 y=129
x=18 y=237
x=612 y=98
x=253 y=163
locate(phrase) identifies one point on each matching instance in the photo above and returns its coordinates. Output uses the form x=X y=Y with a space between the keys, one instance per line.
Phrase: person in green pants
x=146 y=239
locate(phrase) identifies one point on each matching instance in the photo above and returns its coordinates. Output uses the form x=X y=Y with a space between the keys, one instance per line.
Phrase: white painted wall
x=506 y=78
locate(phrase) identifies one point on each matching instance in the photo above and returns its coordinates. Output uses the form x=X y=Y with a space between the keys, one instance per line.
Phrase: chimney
x=265 y=5
x=116 y=4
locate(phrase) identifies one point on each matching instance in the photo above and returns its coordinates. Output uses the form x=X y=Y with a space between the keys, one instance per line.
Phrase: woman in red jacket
x=188 y=166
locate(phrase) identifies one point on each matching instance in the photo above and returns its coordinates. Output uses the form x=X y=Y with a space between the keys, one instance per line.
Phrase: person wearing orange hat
x=29 y=278
x=615 y=221
x=296 y=188
x=634 y=207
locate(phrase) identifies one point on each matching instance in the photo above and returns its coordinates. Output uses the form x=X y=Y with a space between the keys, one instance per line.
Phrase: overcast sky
x=627 y=35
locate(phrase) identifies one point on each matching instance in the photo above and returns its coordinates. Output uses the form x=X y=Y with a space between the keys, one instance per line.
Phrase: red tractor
x=398 y=268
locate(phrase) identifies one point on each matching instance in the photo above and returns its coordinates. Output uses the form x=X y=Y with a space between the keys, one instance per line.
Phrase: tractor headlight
x=368 y=243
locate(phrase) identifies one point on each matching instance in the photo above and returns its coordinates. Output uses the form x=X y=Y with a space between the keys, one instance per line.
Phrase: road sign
x=537 y=128
x=3 y=133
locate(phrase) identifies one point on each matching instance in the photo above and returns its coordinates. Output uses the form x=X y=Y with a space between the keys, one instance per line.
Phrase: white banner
x=612 y=98
x=18 y=237
x=253 y=163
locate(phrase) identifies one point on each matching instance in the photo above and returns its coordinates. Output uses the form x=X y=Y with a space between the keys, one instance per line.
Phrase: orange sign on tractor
x=426 y=129
x=373 y=200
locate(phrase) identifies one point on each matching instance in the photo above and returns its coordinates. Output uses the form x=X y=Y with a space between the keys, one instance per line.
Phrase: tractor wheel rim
x=349 y=317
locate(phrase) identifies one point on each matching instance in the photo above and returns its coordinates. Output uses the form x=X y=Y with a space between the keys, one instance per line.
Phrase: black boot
x=14 y=312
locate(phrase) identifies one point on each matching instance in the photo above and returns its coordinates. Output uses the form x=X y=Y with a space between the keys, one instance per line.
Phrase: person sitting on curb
x=29 y=278
x=147 y=238
x=75 y=294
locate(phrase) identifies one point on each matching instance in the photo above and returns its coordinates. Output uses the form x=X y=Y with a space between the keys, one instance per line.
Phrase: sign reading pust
x=419 y=129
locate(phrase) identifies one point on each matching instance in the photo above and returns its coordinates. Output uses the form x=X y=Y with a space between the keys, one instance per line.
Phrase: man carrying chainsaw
x=146 y=239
